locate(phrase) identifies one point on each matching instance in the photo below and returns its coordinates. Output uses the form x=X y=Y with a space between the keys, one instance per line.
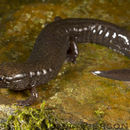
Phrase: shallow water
x=75 y=90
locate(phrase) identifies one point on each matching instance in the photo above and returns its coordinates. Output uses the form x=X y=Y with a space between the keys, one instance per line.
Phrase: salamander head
x=3 y=83
x=12 y=77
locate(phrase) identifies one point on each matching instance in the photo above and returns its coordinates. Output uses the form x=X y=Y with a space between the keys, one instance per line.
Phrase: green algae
x=26 y=118
x=42 y=119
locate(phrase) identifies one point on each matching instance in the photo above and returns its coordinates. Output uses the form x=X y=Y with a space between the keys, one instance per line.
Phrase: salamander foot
x=30 y=100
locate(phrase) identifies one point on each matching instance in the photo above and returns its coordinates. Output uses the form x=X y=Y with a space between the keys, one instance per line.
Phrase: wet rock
x=76 y=98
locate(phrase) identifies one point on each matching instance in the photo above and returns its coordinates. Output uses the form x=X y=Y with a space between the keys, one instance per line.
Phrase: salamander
x=56 y=43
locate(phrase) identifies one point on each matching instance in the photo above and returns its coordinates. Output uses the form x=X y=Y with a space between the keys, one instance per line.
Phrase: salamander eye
x=1 y=78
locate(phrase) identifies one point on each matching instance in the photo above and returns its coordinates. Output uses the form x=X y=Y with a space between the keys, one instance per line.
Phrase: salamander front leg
x=31 y=99
x=72 y=52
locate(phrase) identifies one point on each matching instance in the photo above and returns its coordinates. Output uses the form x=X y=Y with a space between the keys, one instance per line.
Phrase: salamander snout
x=14 y=82
x=3 y=84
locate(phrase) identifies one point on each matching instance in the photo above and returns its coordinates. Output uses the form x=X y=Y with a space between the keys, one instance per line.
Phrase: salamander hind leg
x=72 y=52
x=30 y=100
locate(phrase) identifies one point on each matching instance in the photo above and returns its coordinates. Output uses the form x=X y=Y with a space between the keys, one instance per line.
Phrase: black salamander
x=57 y=43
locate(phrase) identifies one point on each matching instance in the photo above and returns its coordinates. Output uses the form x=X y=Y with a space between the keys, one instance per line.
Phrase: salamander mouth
x=3 y=84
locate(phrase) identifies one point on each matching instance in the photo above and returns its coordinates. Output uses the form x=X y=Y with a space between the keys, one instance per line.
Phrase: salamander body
x=57 y=43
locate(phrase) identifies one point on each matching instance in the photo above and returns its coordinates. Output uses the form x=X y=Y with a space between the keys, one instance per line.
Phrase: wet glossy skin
x=57 y=43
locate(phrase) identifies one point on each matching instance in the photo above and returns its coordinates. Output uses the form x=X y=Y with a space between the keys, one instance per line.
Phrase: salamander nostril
x=1 y=78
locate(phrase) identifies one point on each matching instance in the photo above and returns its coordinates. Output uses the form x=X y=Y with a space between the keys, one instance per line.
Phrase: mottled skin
x=57 y=43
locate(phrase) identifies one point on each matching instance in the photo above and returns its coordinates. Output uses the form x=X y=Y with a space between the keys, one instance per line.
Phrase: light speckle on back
x=114 y=35
x=125 y=38
x=80 y=30
x=9 y=78
x=107 y=34
x=94 y=31
x=38 y=73
x=50 y=69
x=19 y=76
x=31 y=73
x=99 y=27
x=100 y=32
x=85 y=28
x=44 y=71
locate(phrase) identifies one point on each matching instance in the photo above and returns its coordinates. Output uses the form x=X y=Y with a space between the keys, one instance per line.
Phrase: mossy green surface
x=41 y=119
x=26 y=118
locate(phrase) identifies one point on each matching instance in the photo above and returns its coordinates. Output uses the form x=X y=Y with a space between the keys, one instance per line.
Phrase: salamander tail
x=122 y=75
